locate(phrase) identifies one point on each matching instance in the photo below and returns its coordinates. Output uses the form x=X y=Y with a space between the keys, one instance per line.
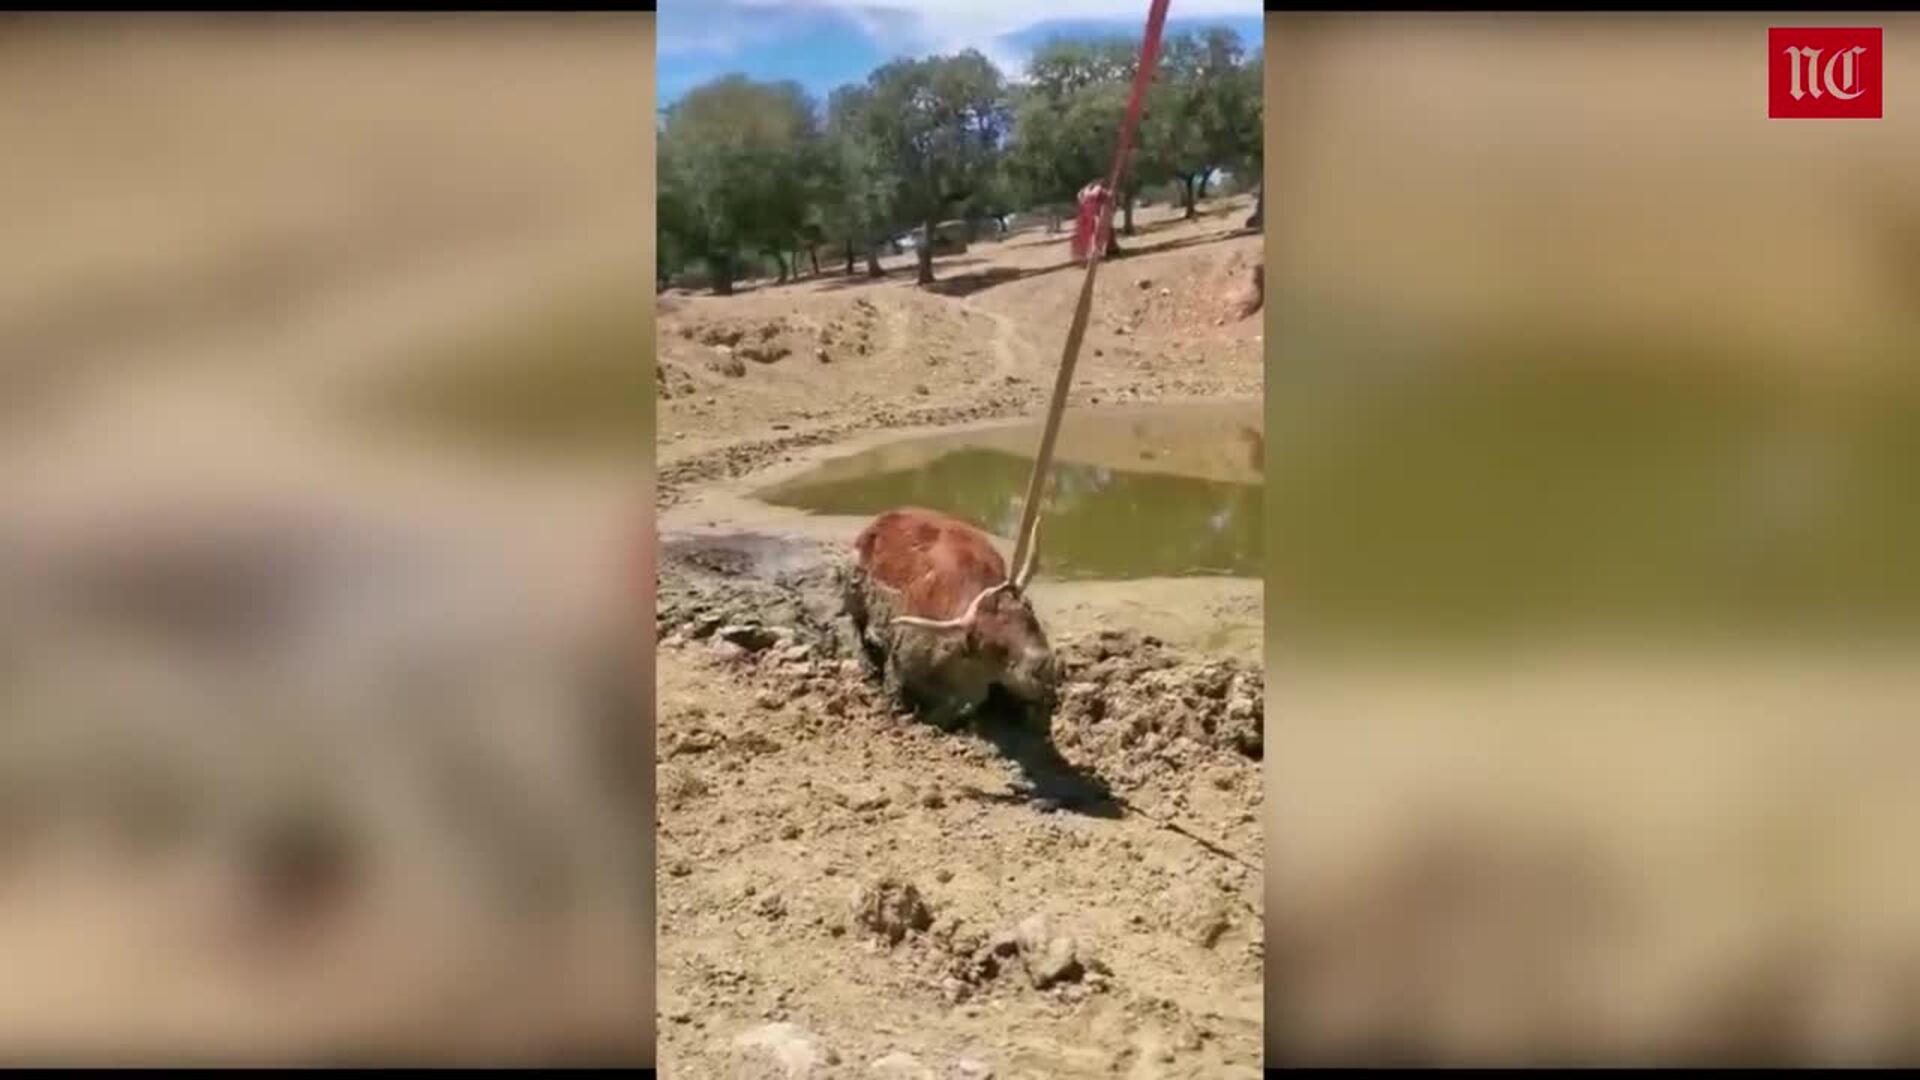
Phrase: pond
x=1136 y=492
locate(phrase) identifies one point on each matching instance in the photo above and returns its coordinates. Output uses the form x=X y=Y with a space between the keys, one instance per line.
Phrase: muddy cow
x=933 y=604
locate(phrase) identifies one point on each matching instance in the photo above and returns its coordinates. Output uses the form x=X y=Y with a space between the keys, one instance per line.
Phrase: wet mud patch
x=1134 y=712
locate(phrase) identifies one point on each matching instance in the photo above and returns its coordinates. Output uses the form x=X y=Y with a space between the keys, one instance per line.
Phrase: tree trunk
x=1202 y=193
x=1259 y=208
x=780 y=260
x=1126 y=212
x=926 y=253
x=849 y=256
x=1186 y=198
x=1053 y=221
x=874 y=269
x=813 y=256
x=722 y=269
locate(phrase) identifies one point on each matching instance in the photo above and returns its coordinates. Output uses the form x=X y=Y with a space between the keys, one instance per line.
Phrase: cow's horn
x=1025 y=573
x=965 y=620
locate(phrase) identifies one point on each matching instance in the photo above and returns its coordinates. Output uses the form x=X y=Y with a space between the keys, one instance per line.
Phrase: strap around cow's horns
x=965 y=620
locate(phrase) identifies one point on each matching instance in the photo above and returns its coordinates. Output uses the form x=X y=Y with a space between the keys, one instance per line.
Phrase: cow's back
x=935 y=562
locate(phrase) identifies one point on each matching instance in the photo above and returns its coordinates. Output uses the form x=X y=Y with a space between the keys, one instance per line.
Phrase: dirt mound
x=1206 y=294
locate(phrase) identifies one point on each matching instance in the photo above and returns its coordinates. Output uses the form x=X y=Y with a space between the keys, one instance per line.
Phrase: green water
x=1098 y=522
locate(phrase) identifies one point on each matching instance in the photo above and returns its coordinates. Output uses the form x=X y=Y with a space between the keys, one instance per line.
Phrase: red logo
x=1823 y=74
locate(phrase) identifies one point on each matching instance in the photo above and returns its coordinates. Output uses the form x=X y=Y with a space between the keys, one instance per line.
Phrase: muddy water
x=1161 y=491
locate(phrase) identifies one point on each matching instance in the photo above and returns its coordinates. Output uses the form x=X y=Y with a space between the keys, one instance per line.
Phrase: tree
x=731 y=159
x=1068 y=115
x=856 y=204
x=1203 y=113
x=939 y=125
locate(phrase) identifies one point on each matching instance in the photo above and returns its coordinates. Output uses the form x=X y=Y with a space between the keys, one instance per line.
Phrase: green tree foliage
x=940 y=125
x=735 y=163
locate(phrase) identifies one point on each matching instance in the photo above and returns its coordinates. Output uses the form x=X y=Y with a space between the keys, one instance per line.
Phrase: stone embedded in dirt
x=921 y=389
x=1057 y=962
x=899 y=1065
x=781 y=1051
x=890 y=909
x=750 y=637
x=1144 y=284
x=769 y=700
x=692 y=742
x=1032 y=934
x=771 y=906
x=970 y=1069
x=823 y=356
x=730 y=366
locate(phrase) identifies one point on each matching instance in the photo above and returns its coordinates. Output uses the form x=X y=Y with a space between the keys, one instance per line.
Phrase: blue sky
x=824 y=43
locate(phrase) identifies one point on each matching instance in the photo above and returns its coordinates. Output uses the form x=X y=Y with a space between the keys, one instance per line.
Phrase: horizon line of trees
x=760 y=172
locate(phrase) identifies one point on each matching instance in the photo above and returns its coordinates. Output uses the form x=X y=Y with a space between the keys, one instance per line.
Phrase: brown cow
x=932 y=597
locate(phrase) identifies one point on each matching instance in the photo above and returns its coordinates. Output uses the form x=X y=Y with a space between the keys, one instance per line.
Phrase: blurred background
x=1594 y=422
x=325 y=452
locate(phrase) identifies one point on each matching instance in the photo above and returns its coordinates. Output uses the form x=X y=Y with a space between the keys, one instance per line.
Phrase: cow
x=932 y=602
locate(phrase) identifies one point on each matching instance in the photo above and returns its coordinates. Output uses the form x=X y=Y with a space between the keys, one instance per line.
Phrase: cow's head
x=1000 y=629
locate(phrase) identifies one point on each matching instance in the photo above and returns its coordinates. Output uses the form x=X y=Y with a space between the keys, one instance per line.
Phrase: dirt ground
x=846 y=891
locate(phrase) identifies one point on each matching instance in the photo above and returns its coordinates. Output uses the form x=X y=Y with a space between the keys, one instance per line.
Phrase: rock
x=970 y=1069
x=1032 y=934
x=729 y=365
x=1057 y=963
x=781 y=1051
x=749 y=637
x=822 y=356
x=890 y=909
x=899 y=1065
